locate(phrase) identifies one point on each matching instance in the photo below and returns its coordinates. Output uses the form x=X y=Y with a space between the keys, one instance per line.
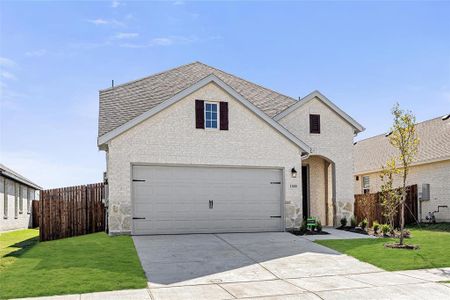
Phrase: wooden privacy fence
x=71 y=211
x=35 y=214
x=369 y=206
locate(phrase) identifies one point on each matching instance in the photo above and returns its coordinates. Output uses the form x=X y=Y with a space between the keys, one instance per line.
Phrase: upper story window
x=314 y=123
x=366 y=184
x=211 y=115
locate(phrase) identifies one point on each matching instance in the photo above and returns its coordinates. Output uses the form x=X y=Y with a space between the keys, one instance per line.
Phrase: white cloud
x=111 y=22
x=126 y=35
x=163 y=42
x=6 y=62
x=115 y=4
x=8 y=75
x=36 y=53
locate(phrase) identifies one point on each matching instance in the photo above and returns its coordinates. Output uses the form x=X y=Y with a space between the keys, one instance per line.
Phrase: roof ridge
x=257 y=84
x=148 y=76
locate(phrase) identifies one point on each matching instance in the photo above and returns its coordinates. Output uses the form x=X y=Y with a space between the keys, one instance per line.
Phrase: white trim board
x=102 y=140
x=316 y=94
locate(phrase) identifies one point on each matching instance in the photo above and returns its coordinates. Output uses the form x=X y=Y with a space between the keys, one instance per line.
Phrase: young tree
x=390 y=197
x=404 y=139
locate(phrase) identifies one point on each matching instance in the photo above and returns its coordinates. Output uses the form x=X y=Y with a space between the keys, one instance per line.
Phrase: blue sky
x=55 y=56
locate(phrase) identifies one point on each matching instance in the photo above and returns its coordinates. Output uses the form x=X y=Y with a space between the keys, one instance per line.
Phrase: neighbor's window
x=366 y=184
x=314 y=123
x=20 y=199
x=29 y=199
x=5 y=197
x=211 y=115
x=16 y=200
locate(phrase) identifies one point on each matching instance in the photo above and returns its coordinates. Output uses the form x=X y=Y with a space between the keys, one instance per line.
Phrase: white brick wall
x=335 y=142
x=12 y=222
x=171 y=137
x=436 y=174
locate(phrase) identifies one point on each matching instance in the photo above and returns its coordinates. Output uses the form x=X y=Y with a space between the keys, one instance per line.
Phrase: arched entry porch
x=319 y=189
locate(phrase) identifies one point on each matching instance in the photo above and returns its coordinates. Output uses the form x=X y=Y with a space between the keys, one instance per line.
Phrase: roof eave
x=11 y=176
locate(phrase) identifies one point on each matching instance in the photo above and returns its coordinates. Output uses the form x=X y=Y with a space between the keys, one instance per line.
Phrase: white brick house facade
x=257 y=136
x=248 y=142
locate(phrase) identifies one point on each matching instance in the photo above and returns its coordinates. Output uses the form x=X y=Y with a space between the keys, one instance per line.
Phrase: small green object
x=311 y=223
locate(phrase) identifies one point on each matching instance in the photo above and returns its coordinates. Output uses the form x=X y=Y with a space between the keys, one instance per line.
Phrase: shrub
x=303 y=226
x=352 y=222
x=385 y=228
x=375 y=227
x=319 y=226
x=363 y=224
x=343 y=221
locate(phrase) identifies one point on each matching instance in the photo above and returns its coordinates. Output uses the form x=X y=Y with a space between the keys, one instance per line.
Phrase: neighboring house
x=430 y=170
x=195 y=149
x=16 y=196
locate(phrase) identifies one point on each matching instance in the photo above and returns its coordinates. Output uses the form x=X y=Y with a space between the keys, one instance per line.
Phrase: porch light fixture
x=294 y=173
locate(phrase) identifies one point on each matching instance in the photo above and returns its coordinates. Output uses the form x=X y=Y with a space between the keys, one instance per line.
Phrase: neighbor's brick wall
x=171 y=137
x=23 y=219
x=335 y=142
x=436 y=174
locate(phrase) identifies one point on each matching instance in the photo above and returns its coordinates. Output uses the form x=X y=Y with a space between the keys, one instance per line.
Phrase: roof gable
x=316 y=94
x=125 y=102
x=102 y=140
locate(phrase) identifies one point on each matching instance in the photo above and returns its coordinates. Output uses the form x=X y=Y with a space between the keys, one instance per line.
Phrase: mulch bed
x=353 y=229
x=308 y=232
x=398 y=246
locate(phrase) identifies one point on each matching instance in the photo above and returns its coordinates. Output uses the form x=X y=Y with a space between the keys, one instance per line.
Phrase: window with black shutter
x=314 y=123
x=211 y=115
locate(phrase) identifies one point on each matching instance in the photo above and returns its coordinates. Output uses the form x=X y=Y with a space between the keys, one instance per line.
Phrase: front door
x=305 y=191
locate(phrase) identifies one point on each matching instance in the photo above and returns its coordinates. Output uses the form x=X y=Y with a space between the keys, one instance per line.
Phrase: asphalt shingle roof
x=125 y=102
x=434 y=135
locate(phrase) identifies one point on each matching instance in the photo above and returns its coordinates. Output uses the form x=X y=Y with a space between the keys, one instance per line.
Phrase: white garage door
x=169 y=200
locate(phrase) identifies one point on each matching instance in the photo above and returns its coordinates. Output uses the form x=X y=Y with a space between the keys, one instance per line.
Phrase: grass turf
x=433 y=240
x=88 y=263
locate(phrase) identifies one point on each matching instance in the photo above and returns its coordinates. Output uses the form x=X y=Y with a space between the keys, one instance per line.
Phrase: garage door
x=170 y=200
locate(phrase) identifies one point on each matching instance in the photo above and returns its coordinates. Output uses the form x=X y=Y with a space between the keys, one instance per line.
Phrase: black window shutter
x=314 y=123
x=223 y=115
x=199 y=114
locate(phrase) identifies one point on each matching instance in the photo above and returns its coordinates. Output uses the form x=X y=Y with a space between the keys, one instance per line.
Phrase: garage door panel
x=176 y=199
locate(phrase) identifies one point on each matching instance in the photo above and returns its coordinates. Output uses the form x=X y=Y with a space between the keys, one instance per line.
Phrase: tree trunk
x=402 y=222
x=402 y=212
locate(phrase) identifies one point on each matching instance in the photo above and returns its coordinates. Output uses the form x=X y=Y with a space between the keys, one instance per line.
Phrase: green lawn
x=89 y=263
x=433 y=240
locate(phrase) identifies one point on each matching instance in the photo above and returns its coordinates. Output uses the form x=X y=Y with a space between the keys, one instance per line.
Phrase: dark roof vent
x=445 y=117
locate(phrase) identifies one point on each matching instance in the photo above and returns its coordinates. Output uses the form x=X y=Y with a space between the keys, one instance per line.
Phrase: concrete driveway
x=274 y=265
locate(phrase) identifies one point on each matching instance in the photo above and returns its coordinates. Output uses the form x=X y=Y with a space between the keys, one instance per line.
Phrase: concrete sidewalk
x=413 y=284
